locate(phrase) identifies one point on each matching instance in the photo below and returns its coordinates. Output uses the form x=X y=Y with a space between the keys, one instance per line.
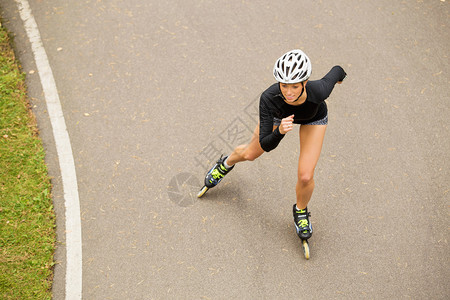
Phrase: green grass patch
x=27 y=221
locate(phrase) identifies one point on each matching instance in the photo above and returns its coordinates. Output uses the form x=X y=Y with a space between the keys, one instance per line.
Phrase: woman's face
x=291 y=91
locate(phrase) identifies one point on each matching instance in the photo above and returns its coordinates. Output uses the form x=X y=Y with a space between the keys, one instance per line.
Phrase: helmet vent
x=294 y=66
x=301 y=65
x=301 y=75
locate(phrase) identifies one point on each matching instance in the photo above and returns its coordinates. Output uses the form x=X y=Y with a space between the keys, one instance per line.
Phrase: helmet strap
x=303 y=90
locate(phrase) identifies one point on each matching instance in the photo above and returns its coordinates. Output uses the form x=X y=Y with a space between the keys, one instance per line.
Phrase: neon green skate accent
x=303 y=223
x=216 y=174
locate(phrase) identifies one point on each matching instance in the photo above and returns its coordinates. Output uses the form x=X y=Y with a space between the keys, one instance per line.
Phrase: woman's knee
x=247 y=152
x=305 y=178
x=251 y=155
x=251 y=151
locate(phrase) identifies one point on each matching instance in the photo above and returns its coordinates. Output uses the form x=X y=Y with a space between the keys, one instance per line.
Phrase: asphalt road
x=152 y=91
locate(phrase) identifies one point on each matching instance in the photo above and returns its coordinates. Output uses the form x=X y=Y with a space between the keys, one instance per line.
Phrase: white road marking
x=65 y=156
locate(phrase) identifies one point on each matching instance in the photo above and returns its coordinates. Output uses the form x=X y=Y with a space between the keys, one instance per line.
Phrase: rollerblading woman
x=293 y=99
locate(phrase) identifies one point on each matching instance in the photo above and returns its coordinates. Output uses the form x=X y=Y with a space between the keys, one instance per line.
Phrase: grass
x=27 y=221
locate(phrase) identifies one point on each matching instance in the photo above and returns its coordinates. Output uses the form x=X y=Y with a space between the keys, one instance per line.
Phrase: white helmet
x=293 y=67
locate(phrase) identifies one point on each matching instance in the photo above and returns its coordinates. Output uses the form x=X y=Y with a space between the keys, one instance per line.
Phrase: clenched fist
x=286 y=124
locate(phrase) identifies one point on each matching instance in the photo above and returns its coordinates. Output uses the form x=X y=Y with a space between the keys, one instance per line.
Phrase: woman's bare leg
x=247 y=152
x=311 y=140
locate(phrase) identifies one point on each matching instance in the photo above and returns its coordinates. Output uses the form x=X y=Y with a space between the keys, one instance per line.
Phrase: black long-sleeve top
x=272 y=105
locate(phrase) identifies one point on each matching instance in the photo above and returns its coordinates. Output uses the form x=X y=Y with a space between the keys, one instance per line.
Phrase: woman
x=292 y=100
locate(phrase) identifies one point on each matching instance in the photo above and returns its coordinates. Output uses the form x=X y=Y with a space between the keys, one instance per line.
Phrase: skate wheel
x=202 y=191
x=305 y=247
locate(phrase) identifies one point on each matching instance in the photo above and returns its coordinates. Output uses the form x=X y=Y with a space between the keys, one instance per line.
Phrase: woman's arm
x=268 y=138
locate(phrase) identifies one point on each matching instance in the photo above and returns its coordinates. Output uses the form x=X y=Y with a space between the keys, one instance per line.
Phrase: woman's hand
x=286 y=124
